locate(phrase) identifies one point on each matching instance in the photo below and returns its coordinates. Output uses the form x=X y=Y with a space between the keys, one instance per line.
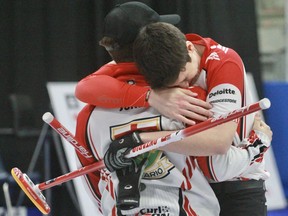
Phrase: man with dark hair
x=168 y=58
x=174 y=185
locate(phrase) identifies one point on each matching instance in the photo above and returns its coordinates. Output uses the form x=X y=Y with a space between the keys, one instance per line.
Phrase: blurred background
x=57 y=40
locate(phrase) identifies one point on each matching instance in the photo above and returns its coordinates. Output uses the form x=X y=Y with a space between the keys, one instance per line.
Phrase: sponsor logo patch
x=159 y=211
x=222 y=91
x=212 y=56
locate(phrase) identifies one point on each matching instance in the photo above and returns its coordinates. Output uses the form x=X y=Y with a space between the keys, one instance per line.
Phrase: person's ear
x=190 y=46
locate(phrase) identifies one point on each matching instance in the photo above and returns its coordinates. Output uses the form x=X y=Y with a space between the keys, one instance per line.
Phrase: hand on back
x=185 y=105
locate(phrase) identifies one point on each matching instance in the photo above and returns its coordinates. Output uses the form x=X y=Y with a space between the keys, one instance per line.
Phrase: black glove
x=129 y=186
x=114 y=158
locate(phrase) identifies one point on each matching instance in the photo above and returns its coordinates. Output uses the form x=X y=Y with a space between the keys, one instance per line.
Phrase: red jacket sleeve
x=114 y=93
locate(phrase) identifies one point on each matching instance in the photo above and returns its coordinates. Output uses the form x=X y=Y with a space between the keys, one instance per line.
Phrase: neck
x=199 y=49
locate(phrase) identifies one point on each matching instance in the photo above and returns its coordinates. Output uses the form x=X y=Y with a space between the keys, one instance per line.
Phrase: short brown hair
x=160 y=53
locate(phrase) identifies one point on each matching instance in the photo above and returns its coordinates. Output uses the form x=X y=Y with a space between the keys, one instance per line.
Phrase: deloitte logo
x=222 y=91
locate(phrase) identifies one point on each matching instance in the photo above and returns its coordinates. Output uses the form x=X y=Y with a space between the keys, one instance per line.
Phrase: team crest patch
x=158 y=165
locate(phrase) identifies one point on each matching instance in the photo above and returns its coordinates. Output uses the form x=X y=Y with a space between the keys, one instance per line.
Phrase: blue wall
x=277 y=118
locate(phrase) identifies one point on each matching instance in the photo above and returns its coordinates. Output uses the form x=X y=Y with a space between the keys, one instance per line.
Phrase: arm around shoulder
x=108 y=92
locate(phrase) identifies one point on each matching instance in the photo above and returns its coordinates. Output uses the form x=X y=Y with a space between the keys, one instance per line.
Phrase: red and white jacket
x=174 y=185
